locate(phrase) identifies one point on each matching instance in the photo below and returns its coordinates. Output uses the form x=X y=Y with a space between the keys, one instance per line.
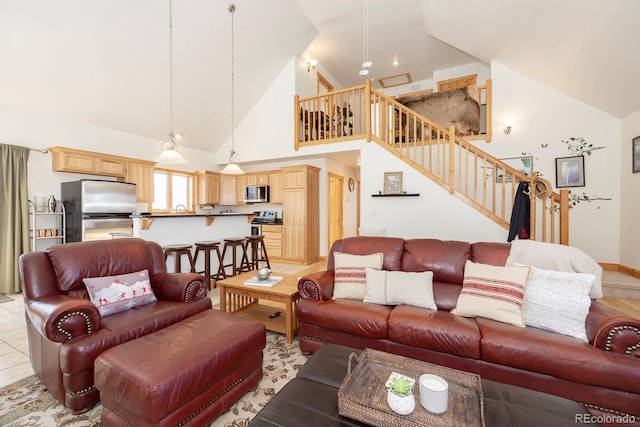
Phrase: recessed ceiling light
x=395 y=62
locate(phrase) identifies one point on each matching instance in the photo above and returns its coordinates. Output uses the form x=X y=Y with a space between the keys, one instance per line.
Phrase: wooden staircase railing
x=476 y=177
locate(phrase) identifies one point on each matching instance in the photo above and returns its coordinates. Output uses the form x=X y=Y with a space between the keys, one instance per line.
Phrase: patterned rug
x=27 y=403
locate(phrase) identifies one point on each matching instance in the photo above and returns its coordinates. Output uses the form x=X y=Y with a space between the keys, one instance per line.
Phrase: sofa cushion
x=350 y=277
x=400 y=287
x=434 y=330
x=545 y=352
x=493 y=292
x=346 y=315
x=445 y=258
x=74 y=261
x=113 y=294
x=558 y=301
x=391 y=247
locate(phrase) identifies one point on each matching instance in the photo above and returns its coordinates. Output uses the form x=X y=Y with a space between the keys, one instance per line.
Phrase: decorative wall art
x=570 y=172
x=522 y=164
x=392 y=183
x=636 y=154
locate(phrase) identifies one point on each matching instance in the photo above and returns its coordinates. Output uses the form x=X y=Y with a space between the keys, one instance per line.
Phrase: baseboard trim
x=633 y=272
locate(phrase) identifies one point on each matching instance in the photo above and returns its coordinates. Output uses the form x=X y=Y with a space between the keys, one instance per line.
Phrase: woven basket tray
x=363 y=396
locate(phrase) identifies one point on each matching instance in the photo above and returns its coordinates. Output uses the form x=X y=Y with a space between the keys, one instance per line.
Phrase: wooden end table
x=243 y=300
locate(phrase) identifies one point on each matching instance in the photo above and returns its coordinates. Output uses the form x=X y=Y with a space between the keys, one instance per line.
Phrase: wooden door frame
x=340 y=179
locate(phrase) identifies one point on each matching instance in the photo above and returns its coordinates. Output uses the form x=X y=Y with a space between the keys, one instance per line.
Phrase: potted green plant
x=400 y=393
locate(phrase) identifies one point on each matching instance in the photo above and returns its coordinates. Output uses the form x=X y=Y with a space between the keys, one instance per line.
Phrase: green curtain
x=14 y=215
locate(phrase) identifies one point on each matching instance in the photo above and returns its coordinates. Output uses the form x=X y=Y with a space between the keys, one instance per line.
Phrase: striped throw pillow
x=349 y=274
x=493 y=292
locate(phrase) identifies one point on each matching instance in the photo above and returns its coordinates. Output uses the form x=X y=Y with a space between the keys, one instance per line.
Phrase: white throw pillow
x=400 y=287
x=558 y=301
x=349 y=274
x=493 y=292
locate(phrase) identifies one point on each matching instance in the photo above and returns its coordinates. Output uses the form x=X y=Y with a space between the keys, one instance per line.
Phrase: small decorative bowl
x=263 y=273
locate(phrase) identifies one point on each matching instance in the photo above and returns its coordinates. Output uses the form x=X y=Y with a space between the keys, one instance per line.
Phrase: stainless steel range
x=263 y=217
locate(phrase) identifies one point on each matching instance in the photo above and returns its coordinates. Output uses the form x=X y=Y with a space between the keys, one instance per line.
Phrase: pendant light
x=366 y=64
x=232 y=167
x=169 y=152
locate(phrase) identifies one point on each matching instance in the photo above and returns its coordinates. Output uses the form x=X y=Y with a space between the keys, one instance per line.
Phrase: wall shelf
x=396 y=195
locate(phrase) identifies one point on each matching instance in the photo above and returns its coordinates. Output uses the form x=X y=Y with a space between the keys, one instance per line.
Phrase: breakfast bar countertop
x=148 y=218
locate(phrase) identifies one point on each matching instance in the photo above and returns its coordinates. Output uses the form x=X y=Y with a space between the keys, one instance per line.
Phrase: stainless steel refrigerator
x=97 y=209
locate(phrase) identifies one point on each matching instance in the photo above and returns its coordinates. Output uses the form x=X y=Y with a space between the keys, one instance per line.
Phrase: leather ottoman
x=186 y=374
x=312 y=399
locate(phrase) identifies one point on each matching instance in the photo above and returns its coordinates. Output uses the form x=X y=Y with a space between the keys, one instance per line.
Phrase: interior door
x=335 y=226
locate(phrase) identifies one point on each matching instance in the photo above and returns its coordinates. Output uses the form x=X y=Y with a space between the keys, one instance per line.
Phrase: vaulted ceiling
x=106 y=62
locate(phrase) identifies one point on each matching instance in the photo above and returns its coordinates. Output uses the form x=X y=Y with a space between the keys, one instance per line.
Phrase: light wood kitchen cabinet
x=301 y=216
x=228 y=190
x=140 y=172
x=256 y=179
x=273 y=240
x=78 y=161
x=208 y=184
x=276 y=187
x=240 y=183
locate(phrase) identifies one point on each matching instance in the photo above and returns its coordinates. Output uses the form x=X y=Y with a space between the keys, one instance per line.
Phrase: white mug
x=434 y=393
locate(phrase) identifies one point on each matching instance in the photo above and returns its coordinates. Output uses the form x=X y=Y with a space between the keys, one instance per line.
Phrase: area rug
x=4 y=298
x=27 y=402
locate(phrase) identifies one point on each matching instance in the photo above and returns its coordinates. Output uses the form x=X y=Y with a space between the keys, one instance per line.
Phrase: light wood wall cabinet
x=78 y=161
x=140 y=172
x=228 y=190
x=273 y=240
x=276 y=187
x=208 y=184
x=259 y=178
x=301 y=214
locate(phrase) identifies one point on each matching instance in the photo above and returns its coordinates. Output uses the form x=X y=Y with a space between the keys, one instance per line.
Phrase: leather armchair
x=66 y=333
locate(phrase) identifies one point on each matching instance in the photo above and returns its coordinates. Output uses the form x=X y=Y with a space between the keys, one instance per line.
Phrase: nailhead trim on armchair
x=70 y=315
x=615 y=330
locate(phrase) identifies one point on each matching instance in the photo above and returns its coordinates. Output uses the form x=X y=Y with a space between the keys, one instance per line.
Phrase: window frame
x=191 y=179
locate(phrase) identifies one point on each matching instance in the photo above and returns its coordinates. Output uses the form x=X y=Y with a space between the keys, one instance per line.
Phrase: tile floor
x=14 y=348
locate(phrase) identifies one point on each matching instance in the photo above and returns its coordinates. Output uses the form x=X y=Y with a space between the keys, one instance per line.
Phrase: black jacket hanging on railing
x=521 y=215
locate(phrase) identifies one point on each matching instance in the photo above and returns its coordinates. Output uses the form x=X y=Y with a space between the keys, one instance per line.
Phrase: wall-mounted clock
x=352 y=184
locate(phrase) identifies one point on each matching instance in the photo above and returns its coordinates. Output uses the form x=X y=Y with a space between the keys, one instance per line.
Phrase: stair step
x=620 y=285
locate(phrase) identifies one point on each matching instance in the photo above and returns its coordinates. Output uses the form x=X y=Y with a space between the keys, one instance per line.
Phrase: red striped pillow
x=350 y=276
x=493 y=292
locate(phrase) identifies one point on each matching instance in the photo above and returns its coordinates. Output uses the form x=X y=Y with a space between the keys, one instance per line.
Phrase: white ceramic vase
x=401 y=405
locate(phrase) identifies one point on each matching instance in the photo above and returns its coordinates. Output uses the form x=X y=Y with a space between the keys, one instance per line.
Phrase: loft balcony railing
x=467 y=172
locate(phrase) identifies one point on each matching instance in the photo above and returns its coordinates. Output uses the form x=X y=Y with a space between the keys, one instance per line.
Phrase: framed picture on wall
x=392 y=182
x=570 y=171
x=636 y=154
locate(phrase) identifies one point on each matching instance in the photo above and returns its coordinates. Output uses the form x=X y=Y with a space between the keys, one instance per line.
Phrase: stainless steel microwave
x=256 y=194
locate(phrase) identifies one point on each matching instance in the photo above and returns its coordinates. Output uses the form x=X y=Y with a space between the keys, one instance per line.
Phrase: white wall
x=629 y=196
x=434 y=214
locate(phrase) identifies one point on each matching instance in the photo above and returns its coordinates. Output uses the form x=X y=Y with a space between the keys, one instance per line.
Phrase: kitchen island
x=172 y=229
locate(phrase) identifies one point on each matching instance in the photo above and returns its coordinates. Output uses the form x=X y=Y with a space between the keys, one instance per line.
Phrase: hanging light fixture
x=232 y=167
x=366 y=64
x=169 y=152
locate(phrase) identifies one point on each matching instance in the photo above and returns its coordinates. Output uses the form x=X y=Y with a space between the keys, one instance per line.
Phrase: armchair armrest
x=182 y=287
x=611 y=330
x=318 y=286
x=60 y=318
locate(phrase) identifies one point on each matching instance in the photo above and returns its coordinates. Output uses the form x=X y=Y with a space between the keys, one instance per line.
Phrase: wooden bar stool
x=237 y=265
x=177 y=251
x=258 y=251
x=207 y=248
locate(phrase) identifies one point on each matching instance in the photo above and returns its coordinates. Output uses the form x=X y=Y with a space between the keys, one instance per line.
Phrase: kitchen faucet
x=184 y=208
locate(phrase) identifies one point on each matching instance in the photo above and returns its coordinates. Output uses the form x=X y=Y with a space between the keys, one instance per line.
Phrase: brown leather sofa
x=66 y=333
x=603 y=373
